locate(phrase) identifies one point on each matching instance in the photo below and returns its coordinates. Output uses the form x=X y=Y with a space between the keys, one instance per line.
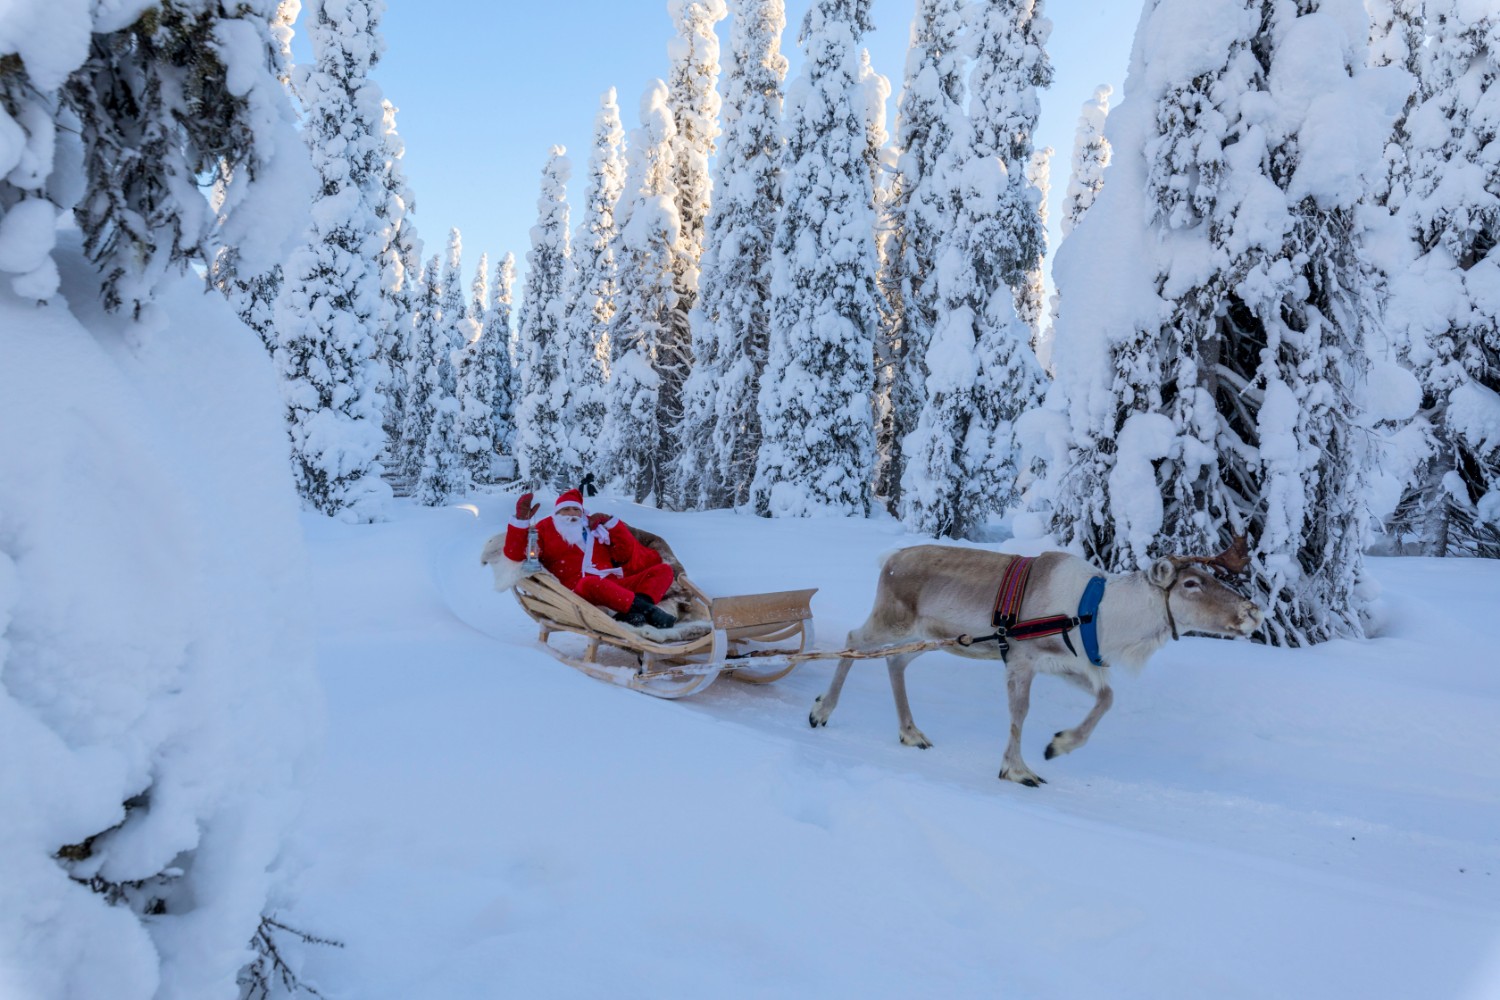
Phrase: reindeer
x=931 y=592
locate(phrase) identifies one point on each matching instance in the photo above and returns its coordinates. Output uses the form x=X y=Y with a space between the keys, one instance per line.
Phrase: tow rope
x=1007 y=610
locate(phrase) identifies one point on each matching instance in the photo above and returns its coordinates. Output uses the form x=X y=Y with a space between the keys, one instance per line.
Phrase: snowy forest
x=1275 y=312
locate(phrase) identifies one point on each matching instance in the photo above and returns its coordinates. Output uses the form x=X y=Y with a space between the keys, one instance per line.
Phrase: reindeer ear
x=1162 y=572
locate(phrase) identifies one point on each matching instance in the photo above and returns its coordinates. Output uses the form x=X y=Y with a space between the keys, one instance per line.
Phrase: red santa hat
x=570 y=498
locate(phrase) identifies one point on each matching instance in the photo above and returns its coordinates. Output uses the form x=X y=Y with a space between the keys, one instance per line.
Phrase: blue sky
x=486 y=87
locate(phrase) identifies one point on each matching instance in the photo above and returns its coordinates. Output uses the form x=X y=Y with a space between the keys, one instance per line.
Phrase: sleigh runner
x=731 y=638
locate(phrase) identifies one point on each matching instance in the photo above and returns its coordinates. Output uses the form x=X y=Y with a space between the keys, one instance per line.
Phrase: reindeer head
x=1198 y=601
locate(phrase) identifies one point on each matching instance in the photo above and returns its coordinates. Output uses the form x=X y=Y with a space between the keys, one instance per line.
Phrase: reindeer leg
x=910 y=734
x=864 y=637
x=1018 y=686
x=825 y=703
x=1071 y=739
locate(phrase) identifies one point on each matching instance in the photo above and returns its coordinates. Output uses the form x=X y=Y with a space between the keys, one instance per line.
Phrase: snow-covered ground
x=1247 y=822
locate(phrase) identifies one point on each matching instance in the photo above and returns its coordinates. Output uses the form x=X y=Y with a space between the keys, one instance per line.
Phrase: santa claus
x=595 y=557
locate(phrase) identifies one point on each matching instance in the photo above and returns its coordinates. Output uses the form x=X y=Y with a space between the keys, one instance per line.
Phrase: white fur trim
x=561 y=503
x=518 y=523
x=493 y=549
x=507 y=572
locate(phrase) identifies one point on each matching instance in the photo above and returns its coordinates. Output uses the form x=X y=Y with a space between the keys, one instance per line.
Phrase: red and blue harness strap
x=1008 y=609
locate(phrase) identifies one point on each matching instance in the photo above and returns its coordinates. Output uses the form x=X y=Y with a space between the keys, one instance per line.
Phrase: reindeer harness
x=1008 y=610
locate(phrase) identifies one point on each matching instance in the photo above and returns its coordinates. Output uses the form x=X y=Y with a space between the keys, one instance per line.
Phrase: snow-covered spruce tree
x=1220 y=390
x=498 y=337
x=693 y=97
x=545 y=450
x=584 y=344
x=817 y=449
x=445 y=471
x=1091 y=154
x=1443 y=308
x=876 y=92
x=252 y=288
x=162 y=97
x=477 y=381
x=979 y=372
x=882 y=163
x=720 y=432
x=328 y=314
x=919 y=215
x=416 y=415
x=254 y=294
x=1031 y=300
x=400 y=257
x=1008 y=38
x=479 y=289
x=634 y=455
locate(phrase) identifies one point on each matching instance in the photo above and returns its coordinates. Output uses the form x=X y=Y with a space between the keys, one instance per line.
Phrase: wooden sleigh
x=735 y=637
x=735 y=642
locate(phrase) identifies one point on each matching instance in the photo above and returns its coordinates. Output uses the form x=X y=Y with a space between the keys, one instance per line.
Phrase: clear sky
x=485 y=87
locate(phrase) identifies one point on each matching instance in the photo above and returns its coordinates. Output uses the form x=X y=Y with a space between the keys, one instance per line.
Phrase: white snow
x=155 y=642
x=28 y=231
x=1394 y=392
x=1247 y=821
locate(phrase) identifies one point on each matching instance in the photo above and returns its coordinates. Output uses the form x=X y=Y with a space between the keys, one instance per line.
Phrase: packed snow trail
x=1247 y=822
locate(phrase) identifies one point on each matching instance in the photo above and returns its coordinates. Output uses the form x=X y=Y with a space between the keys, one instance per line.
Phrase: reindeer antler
x=1234 y=560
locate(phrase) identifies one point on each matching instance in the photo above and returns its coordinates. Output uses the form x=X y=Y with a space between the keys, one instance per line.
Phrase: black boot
x=635 y=616
x=650 y=613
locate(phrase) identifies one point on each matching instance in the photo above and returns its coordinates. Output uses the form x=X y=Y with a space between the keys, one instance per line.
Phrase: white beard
x=575 y=533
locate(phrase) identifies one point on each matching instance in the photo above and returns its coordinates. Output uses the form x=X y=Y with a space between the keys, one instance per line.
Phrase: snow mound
x=156 y=690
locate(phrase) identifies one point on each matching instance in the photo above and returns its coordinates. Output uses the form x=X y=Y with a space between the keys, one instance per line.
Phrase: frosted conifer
x=649 y=231
x=1031 y=299
x=1009 y=40
x=153 y=103
x=445 y=471
x=498 y=338
x=693 y=98
x=477 y=382
x=1091 y=154
x=328 y=313
x=252 y=288
x=817 y=450
x=979 y=372
x=416 y=418
x=400 y=257
x=920 y=214
x=479 y=289
x=545 y=451
x=1443 y=309
x=1220 y=390
x=720 y=434
x=595 y=276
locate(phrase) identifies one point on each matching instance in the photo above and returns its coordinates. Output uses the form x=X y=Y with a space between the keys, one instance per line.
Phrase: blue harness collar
x=1088 y=619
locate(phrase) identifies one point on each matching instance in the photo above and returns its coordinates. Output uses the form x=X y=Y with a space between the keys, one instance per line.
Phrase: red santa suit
x=605 y=566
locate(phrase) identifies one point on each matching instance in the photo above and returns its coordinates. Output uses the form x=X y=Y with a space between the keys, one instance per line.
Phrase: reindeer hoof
x=916 y=739
x=813 y=718
x=1060 y=745
x=1028 y=779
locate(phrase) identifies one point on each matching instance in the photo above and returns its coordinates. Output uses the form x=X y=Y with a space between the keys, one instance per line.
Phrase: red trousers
x=618 y=592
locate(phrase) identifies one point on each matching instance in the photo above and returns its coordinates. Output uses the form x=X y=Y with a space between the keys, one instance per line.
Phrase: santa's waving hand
x=595 y=557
